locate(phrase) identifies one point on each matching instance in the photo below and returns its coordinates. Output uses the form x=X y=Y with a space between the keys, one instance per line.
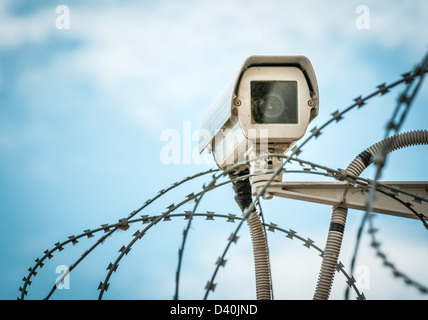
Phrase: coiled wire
x=242 y=188
x=376 y=152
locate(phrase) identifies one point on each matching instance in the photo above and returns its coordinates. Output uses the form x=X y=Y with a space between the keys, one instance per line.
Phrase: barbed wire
x=329 y=172
x=393 y=125
x=209 y=216
x=392 y=192
x=336 y=116
x=103 y=286
x=290 y=234
x=359 y=102
x=89 y=233
x=379 y=253
x=124 y=223
x=181 y=250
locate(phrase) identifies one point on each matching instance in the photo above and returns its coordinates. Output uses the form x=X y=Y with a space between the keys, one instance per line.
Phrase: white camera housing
x=266 y=108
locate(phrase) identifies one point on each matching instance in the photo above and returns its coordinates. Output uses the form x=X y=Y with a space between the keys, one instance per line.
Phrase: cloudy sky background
x=82 y=112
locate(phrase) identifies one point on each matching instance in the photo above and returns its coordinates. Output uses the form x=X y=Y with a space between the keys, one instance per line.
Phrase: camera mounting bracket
x=344 y=194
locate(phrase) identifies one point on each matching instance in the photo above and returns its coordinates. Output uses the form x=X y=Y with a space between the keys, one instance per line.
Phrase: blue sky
x=82 y=111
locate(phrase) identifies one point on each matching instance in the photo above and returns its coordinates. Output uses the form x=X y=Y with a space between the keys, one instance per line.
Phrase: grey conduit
x=261 y=257
x=339 y=214
x=243 y=197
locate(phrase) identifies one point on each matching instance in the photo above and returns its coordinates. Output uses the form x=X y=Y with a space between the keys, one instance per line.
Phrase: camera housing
x=265 y=108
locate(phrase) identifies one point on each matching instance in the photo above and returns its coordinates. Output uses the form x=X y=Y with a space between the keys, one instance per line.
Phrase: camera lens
x=274 y=101
x=271 y=105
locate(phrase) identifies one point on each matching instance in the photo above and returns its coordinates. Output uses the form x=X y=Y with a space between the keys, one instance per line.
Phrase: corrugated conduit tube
x=243 y=197
x=338 y=219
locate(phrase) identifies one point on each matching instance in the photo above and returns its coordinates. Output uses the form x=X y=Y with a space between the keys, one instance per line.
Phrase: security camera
x=265 y=108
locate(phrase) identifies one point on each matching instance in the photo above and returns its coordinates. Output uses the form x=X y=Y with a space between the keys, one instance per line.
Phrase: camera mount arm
x=354 y=196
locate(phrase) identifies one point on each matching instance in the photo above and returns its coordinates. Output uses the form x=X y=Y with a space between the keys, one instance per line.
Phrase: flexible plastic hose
x=258 y=237
x=406 y=139
x=331 y=253
x=339 y=214
x=261 y=257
